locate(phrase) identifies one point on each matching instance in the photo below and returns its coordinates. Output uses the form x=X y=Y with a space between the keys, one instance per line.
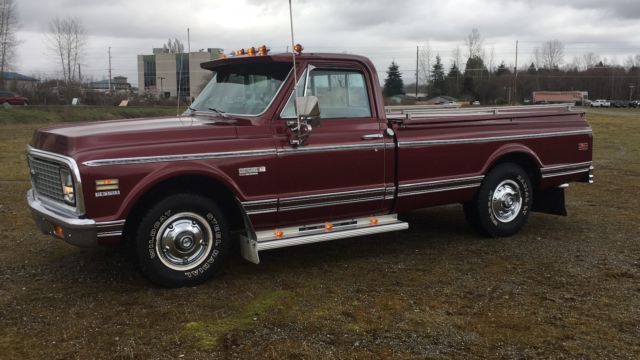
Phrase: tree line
x=473 y=75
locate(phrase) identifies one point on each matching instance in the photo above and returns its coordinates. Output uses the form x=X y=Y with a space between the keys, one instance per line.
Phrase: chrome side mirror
x=308 y=116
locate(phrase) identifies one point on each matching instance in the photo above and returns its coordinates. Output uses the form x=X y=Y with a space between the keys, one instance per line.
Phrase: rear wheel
x=502 y=205
x=182 y=240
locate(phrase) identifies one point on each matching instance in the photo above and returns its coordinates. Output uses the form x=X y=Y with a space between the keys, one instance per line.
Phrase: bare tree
x=425 y=64
x=536 y=57
x=474 y=44
x=173 y=47
x=552 y=54
x=455 y=54
x=492 y=60
x=8 y=41
x=590 y=60
x=67 y=38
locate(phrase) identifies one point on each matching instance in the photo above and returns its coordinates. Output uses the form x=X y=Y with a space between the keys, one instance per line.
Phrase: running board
x=307 y=234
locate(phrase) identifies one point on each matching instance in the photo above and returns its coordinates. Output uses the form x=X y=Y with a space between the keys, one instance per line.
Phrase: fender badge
x=250 y=171
x=107 y=193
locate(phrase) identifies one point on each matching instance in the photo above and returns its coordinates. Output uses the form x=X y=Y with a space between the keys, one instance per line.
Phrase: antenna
x=295 y=70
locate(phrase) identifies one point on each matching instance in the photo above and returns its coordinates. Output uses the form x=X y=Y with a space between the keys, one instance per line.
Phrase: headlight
x=67 y=187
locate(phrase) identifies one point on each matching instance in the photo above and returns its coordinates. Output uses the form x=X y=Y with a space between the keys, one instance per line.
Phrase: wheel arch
x=193 y=181
x=519 y=155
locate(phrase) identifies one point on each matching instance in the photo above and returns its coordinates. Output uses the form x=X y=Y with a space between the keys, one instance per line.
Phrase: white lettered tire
x=503 y=203
x=182 y=240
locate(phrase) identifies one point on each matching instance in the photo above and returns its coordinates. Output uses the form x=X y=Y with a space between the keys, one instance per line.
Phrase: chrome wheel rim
x=183 y=241
x=506 y=201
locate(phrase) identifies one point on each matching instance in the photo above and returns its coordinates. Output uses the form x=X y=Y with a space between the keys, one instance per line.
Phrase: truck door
x=340 y=171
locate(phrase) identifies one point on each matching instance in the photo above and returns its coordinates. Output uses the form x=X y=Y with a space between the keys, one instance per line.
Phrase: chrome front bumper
x=78 y=232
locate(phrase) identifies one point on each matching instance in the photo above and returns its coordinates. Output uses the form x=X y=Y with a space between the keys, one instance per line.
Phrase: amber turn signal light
x=298 y=49
x=279 y=234
x=262 y=50
x=328 y=227
x=58 y=231
x=373 y=221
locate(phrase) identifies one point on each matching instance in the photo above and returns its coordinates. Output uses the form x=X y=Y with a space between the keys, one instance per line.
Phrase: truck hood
x=74 y=138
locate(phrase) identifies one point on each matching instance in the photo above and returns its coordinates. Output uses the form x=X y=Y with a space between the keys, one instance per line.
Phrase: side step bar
x=307 y=234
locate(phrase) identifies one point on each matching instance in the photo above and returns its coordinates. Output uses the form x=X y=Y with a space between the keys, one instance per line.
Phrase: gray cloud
x=382 y=29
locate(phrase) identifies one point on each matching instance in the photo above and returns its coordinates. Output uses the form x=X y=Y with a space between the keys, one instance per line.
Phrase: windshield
x=243 y=89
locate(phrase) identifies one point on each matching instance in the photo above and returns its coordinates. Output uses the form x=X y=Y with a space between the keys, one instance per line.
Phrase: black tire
x=181 y=241
x=502 y=205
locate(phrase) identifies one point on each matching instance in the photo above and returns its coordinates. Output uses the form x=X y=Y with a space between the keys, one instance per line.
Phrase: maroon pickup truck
x=269 y=165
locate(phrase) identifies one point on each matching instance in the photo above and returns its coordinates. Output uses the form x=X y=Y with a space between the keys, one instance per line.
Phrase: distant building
x=118 y=84
x=15 y=81
x=162 y=72
x=550 y=97
x=441 y=100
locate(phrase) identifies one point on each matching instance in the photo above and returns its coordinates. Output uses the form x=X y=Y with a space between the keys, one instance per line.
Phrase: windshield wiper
x=218 y=112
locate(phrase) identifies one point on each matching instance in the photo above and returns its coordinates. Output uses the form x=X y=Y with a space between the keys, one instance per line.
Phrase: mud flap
x=550 y=201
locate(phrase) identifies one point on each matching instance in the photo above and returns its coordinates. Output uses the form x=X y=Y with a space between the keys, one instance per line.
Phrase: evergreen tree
x=437 y=78
x=502 y=70
x=453 y=80
x=532 y=69
x=454 y=72
x=393 y=84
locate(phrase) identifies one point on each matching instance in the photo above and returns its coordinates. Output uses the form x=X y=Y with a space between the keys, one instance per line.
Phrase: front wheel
x=502 y=205
x=182 y=240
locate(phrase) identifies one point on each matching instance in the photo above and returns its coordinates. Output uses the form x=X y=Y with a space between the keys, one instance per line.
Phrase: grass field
x=566 y=287
x=53 y=114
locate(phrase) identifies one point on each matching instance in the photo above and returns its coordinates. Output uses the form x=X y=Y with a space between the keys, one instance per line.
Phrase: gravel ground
x=566 y=287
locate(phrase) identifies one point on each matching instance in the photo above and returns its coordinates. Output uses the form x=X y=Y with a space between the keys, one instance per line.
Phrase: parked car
x=619 y=103
x=12 y=98
x=634 y=103
x=600 y=103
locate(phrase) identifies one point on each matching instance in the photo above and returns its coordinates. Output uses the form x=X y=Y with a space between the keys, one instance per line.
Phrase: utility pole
x=79 y=73
x=109 y=69
x=188 y=41
x=515 y=71
x=417 y=58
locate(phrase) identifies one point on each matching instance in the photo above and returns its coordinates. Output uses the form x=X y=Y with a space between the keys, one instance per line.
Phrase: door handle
x=371 y=136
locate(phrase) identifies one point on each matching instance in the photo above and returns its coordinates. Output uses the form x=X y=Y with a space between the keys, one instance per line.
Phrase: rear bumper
x=75 y=231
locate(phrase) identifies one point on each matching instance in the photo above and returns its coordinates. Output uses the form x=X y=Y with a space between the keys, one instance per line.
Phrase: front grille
x=45 y=176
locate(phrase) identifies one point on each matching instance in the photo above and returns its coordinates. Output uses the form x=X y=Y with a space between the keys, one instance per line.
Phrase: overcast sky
x=384 y=30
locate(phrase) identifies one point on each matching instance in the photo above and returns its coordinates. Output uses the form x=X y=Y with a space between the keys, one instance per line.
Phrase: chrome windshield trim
x=183 y=157
x=490 y=139
x=79 y=209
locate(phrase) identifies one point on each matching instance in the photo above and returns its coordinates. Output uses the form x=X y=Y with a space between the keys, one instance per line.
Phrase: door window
x=340 y=93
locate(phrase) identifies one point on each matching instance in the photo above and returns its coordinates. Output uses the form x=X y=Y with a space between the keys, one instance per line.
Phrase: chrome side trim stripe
x=439 y=186
x=184 y=157
x=109 y=234
x=260 y=206
x=330 y=203
x=567 y=169
x=323 y=149
x=420 y=143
